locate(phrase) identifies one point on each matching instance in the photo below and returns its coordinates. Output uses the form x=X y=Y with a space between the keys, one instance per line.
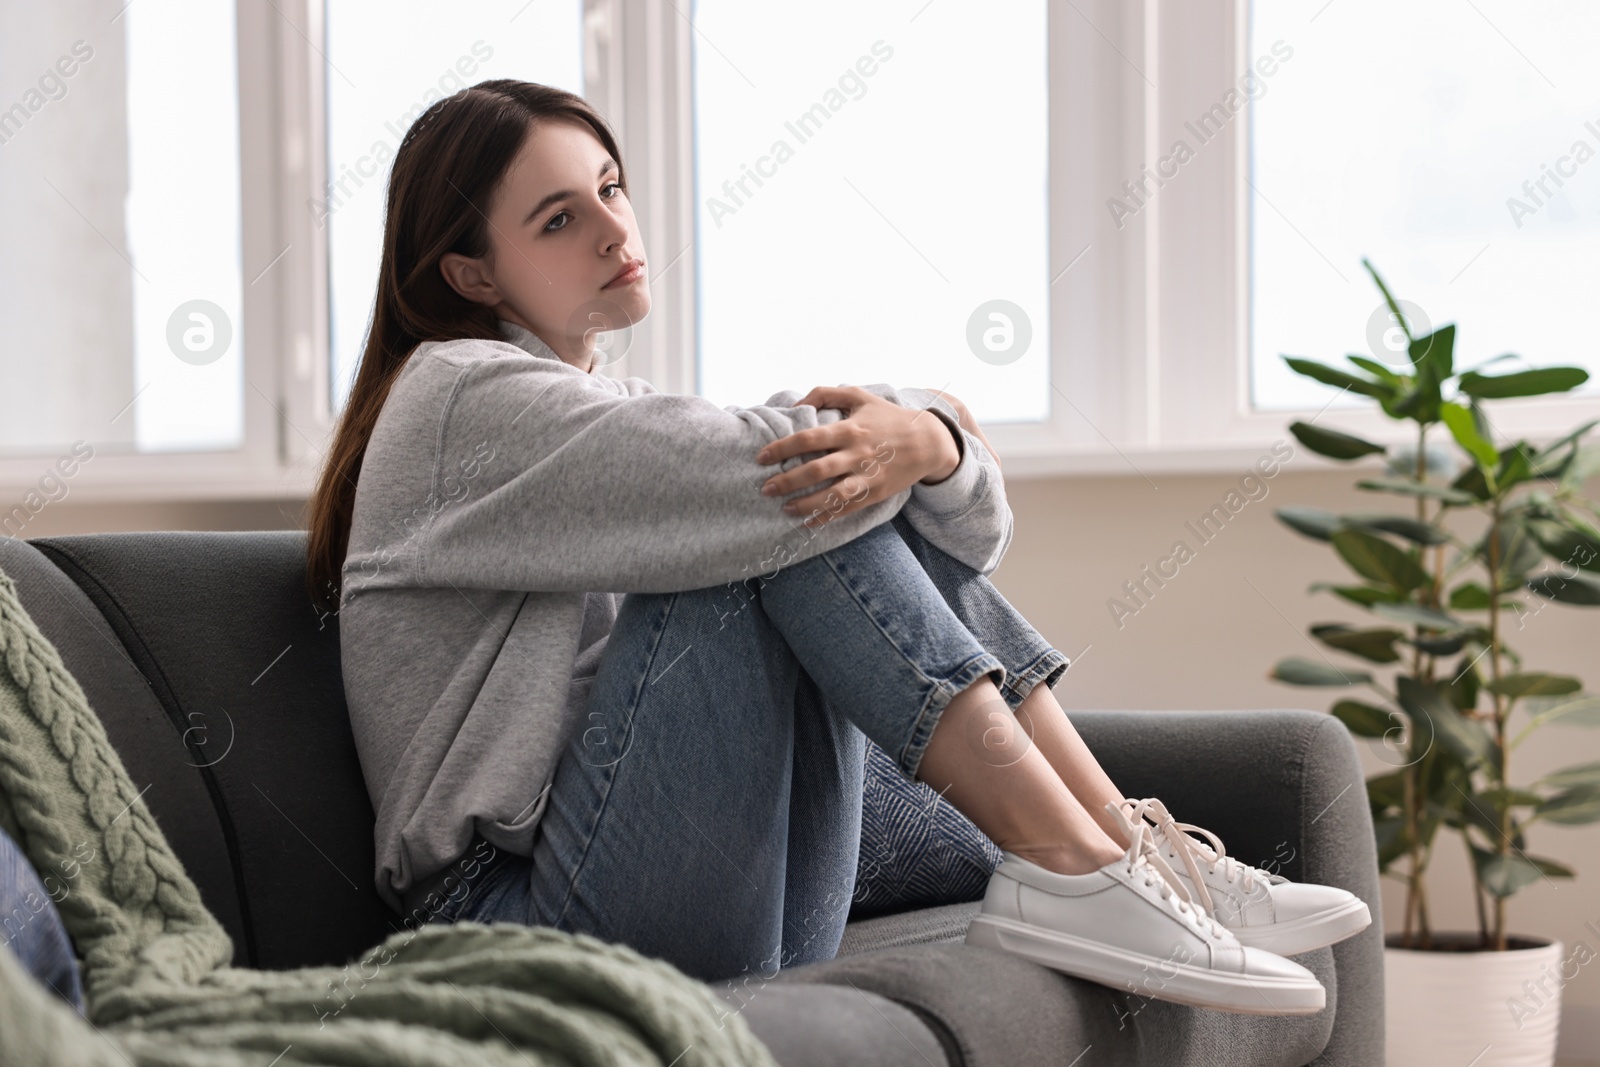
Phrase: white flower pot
x=1487 y=1009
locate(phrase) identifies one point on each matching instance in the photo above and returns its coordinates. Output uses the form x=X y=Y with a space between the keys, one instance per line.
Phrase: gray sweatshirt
x=506 y=502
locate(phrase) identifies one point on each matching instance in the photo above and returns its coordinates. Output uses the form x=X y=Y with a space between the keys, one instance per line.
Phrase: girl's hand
x=876 y=450
x=968 y=423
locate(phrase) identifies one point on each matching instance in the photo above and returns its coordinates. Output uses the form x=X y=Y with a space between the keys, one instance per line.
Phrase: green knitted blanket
x=158 y=985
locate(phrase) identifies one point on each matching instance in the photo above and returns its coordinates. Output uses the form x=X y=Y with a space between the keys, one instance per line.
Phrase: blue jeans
x=710 y=813
x=30 y=926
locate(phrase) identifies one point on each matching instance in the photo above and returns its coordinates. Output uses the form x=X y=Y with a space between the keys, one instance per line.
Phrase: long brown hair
x=448 y=167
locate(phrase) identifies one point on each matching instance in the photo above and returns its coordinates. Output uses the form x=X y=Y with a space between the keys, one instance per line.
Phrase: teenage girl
x=613 y=657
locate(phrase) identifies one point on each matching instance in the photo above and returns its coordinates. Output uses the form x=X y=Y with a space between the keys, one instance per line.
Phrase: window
x=1458 y=162
x=865 y=212
x=994 y=205
x=123 y=286
x=1258 y=162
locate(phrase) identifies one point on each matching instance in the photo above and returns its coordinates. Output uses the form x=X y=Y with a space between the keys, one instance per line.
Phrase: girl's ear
x=469 y=277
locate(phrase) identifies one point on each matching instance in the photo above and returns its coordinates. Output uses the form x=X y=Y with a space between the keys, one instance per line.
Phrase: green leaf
x=1583 y=775
x=1320 y=524
x=1332 y=443
x=1478 y=811
x=1534 y=684
x=1502 y=875
x=1472 y=482
x=1383 y=373
x=1571 y=438
x=1391 y=834
x=1376 y=645
x=1551 y=867
x=1410 y=488
x=1550 y=466
x=1499 y=797
x=1435 y=352
x=1516 y=551
x=1469 y=596
x=1297 y=670
x=1516 y=465
x=1576 y=589
x=1490 y=362
x=1567 y=543
x=1394 y=309
x=1417 y=615
x=1386 y=791
x=1365 y=595
x=1340 y=379
x=1463 y=685
x=1313 y=522
x=1463 y=737
x=1584 y=465
x=1572 y=808
x=1523 y=383
x=1577 y=709
x=1373 y=557
x=1438 y=646
x=1465 y=431
x=1421 y=532
x=1364 y=720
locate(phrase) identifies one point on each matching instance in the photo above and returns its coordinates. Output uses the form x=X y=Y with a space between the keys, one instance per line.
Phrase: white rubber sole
x=1303 y=935
x=1149 y=976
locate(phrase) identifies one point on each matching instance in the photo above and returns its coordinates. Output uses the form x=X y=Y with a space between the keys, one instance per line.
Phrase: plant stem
x=1422 y=909
x=1503 y=845
x=1412 y=777
x=1408 y=801
x=1477 y=893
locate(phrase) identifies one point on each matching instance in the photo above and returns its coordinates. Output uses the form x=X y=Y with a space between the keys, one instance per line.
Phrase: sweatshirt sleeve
x=581 y=483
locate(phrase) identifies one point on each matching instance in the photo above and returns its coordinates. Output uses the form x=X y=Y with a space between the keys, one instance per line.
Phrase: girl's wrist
x=947 y=450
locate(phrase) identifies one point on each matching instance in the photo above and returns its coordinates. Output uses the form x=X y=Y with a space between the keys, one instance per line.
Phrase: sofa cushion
x=943 y=925
x=917 y=850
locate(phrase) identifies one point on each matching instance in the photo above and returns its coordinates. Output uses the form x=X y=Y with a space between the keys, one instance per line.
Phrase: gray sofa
x=220 y=687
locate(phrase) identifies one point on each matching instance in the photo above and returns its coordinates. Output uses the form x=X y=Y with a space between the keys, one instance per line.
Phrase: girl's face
x=560 y=230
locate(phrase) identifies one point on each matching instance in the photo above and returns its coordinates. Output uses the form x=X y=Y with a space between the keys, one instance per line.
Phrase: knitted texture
x=158 y=986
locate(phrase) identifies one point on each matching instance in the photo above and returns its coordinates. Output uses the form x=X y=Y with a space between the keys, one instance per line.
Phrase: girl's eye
x=551 y=227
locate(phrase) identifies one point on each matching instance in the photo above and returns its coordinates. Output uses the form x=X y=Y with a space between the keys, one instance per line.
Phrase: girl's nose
x=615 y=230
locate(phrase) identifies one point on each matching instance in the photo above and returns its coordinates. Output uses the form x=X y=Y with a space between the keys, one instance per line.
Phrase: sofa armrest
x=1283 y=790
x=820 y=1025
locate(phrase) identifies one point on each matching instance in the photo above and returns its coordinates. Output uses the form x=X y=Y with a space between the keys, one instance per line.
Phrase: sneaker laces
x=1145 y=860
x=1191 y=851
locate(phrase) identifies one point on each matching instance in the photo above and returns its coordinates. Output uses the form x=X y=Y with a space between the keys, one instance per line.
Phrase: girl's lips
x=627 y=277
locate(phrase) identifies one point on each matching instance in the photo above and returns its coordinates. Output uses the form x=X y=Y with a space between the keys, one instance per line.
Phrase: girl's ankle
x=1064 y=859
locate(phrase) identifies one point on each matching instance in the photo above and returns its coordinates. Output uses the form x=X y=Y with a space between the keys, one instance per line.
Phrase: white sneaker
x=1261 y=908
x=1131 y=925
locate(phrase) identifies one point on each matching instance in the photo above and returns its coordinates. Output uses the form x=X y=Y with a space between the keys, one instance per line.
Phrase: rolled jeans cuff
x=1048 y=668
x=910 y=758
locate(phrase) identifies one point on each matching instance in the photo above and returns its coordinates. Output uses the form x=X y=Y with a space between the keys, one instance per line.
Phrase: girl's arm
x=490 y=468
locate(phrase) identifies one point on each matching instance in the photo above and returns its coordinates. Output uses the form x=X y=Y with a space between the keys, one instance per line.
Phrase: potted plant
x=1494 y=534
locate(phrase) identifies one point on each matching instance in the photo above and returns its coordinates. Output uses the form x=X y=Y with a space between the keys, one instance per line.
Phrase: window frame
x=1149 y=322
